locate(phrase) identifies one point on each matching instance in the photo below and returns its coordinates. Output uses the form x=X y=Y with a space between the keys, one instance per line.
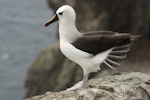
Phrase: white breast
x=72 y=53
x=88 y=62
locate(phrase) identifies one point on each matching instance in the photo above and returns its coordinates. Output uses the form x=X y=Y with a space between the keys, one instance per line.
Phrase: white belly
x=88 y=62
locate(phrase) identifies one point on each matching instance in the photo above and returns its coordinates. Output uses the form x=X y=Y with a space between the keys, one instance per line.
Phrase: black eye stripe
x=60 y=13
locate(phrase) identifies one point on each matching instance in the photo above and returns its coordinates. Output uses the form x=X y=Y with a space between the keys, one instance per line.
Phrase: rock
x=119 y=86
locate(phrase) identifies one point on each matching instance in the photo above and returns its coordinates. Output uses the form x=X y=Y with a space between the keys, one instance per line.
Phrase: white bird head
x=67 y=28
x=64 y=14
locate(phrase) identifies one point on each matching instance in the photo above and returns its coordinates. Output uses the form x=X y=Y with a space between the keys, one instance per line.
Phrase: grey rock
x=118 y=86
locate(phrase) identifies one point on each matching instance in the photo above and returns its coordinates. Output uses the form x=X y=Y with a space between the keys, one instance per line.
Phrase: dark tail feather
x=135 y=37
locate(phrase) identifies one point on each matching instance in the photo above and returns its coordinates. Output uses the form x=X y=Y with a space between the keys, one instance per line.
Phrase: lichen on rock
x=123 y=86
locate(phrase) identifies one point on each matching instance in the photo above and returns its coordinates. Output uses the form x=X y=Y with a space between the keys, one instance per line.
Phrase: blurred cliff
x=51 y=71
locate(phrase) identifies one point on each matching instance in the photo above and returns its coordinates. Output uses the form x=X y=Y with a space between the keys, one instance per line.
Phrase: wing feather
x=100 y=41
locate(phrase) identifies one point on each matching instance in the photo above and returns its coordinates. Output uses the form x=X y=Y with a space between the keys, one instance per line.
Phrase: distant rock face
x=125 y=86
x=51 y=71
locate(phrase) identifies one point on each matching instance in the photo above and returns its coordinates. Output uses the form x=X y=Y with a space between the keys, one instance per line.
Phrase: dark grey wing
x=95 y=44
x=101 y=41
x=102 y=32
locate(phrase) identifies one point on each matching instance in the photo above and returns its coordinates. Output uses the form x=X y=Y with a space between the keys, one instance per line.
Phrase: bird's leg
x=79 y=84
x=85 y=78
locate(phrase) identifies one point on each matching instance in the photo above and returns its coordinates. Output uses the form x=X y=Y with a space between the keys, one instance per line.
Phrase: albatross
x=91 y=49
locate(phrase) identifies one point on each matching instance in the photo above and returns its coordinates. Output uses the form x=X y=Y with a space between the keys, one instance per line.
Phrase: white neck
x=68 y=31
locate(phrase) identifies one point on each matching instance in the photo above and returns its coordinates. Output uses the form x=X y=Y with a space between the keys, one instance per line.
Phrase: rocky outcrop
x=51 y=71
x=125 y=86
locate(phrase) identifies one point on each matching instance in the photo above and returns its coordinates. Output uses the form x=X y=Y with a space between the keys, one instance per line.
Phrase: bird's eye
x=60 y=13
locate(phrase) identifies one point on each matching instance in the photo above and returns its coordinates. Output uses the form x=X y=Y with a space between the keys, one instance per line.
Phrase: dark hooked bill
x=52 y=20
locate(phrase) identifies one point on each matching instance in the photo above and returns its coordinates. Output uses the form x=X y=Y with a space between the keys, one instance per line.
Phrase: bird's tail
x=135 y=37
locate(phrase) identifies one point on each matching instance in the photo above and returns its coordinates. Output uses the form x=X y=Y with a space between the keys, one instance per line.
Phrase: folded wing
x=100 y=41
